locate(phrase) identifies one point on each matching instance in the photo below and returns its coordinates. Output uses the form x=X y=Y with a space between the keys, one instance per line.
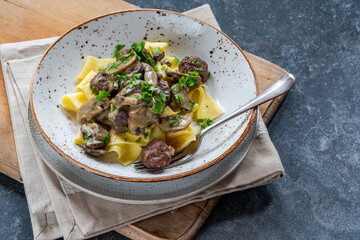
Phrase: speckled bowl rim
x=137 y=179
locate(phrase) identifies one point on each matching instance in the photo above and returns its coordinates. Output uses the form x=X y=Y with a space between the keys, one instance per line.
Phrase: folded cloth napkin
x=58 y=209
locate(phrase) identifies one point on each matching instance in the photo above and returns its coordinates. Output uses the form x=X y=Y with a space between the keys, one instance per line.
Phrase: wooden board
x=26 y=20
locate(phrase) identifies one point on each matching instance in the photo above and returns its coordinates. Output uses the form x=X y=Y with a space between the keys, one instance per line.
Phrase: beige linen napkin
x=56 y=208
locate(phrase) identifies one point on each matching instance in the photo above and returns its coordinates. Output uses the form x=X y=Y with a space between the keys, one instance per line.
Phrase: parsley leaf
x=139 y=49
x=200 y=69
x=186 y=57
x=209 y=74
x=101 y=68
x=146 y=97
x=206 y=122
x=138 y=140
x=86 y=138
x=93 y=88
x=192 y=105
x=175 y=119
x=113 y=109
x=160 y=103
x=102 y=94
x=179 y=99
x=126 y=129
x=156 y=50
x=177 y=60
x=117 y=50
x=106 y=139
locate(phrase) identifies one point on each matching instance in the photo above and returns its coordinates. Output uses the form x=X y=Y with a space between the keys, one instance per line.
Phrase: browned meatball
x=157 y=154
x=119 y=119
x=194 y=64
x=102 y=83
x=165 y=89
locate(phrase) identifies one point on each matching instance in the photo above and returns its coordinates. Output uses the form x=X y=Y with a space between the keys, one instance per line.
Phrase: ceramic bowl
x=232 y=84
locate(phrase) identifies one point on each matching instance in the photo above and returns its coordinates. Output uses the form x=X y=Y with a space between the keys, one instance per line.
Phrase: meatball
x=119 y=119
x=157 y=154
x=101 y=83
x=194 y=64
x=165 y=89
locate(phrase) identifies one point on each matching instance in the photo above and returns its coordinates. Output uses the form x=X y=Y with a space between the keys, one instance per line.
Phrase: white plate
x=232 y=84
x=140 y=192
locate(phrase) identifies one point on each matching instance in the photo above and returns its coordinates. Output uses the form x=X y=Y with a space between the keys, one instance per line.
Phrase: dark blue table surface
x=316 y=130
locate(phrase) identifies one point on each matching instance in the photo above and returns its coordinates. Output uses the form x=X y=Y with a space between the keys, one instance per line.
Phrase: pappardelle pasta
x=141 y=103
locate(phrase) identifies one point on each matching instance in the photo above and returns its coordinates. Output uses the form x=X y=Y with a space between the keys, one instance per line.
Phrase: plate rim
x=137 y=201
x=139 y=179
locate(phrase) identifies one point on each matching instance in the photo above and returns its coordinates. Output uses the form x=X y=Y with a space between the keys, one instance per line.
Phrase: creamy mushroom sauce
x=130 y=95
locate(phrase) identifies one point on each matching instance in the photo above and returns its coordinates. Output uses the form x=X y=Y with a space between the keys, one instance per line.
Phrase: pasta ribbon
x=181 y=139
x=92 y=64
x=207 y=107
x=73 y=101
x=84 y=85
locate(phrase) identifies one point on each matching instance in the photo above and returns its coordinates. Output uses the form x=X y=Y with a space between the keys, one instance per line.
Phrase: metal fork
x=281 y=86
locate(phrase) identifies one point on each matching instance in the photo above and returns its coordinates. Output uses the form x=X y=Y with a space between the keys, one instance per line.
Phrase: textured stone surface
x=315 y=130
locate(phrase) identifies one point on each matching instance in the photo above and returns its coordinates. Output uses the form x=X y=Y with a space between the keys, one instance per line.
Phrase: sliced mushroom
x=165 y=62
x=175 y=123
x=122 y=66
x=150 y=75
x=158 y=56
x=177 y=75
x=141 y=118
x=136 y=67
x=93 y=110
x=94 y=139
x=181 y=98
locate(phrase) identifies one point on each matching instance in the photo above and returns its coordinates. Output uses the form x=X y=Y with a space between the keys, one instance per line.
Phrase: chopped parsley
x=192 y=105
x=186 y=57
x=188 y=81
x=117 y=50
x=205 y=122
x=135 y=96
x=113 y=109
x=138 y=140
x=175 y=119
x=133 y=82
x=126 y=129
x=102 y=94
x=177 y=60
x=179 y=99
x=92 y=121
x=93 y=88
x=146 y=97
x=156 y=50
x=149 y=134
x=125 y=139
x=139 y=49
x=123 y=59
x=160 y=103
x=209 y=74
x=200 y=69
x=86 y=138
x=99 y=57
x=101 y=68
x=106 y=139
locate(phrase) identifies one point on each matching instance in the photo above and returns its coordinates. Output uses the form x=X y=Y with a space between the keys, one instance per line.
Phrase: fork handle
x=281 y=86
